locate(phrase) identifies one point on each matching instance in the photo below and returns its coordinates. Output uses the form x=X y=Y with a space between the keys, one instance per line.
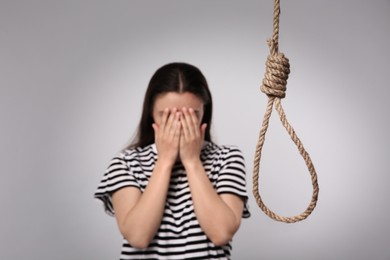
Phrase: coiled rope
x=274 y=85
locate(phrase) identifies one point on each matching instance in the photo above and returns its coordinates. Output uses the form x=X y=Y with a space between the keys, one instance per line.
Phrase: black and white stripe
x=179 y=235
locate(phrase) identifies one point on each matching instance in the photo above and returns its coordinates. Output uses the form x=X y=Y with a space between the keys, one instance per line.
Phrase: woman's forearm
x=141 y=222
x=217 y=219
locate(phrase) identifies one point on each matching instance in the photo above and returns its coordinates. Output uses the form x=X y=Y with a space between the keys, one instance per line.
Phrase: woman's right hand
x=167 y=136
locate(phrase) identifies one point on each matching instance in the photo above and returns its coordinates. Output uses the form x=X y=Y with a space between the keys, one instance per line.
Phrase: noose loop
x=274 y=85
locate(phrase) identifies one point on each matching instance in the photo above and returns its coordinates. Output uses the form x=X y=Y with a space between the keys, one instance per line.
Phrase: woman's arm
x=219 y=215
x=139 y=214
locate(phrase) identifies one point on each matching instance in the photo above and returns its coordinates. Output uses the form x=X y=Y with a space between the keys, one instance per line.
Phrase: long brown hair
x=173 y=77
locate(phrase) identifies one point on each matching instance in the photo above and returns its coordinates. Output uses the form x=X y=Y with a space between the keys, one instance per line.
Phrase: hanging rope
x=274 y=85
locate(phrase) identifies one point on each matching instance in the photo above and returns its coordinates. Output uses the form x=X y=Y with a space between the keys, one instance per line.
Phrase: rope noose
x=274 y=85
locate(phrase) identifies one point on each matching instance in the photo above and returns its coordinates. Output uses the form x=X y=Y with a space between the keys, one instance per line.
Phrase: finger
x=184 y=123
x=155 y=127
x=203 y=130
x=164 y=118
x=194 y=122
x=174 y=124
x=178 y=124
x=194 y=117
x=176 y=129
x=170 y=121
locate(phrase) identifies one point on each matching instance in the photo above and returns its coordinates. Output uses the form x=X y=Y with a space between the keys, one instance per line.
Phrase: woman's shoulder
x=131 y=153
x=211 y=147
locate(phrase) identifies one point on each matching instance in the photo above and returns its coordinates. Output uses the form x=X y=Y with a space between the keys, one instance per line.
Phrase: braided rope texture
x=274 y=86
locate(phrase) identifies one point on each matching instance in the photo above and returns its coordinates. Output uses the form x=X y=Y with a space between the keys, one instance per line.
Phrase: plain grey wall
x=73 y=75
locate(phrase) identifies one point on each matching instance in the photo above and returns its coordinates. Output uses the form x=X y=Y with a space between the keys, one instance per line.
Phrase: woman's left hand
x=192 y=136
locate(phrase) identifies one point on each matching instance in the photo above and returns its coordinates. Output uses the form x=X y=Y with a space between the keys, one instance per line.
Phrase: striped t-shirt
x=179 y=235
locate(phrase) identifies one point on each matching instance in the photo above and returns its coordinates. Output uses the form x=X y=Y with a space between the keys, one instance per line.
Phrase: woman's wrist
x=192 y=165
x=164 y=165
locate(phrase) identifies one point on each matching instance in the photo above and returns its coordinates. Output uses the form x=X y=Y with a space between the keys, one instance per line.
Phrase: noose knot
x=276 y=75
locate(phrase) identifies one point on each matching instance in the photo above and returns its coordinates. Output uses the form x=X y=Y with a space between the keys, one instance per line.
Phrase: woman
x=176 y=194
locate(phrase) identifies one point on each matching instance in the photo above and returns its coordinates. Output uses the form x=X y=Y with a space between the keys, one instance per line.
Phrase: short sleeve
x=117 y=176
x=232 y=177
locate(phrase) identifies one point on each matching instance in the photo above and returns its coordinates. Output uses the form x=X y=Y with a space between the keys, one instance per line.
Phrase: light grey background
x=73 y=75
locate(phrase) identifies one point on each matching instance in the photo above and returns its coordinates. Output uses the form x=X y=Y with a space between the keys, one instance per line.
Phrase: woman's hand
x=167 y=136
x=191 y=137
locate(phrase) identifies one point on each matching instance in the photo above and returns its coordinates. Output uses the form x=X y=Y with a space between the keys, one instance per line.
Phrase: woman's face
x=177 y=100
